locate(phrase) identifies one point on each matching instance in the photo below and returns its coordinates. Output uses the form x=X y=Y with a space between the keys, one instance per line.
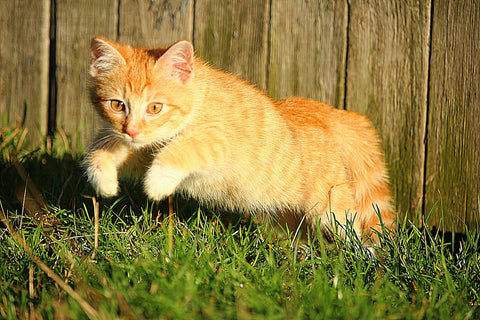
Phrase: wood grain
x=76 y=23
x=387 y=75
x=155 y=23
x=24 y=65
x=307 y=50
x=453 y=149
x=233 y=36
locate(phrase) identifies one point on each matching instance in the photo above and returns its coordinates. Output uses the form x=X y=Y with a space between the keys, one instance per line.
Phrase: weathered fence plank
x=387 y=72
x=307 y=50
x=76 y=23
x=233 y=35
x=24 y=63
x=155 y=23
x=453 y=147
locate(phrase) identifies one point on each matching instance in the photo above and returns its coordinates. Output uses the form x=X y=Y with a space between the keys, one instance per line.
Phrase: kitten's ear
x=104 y=57
x=177 y=61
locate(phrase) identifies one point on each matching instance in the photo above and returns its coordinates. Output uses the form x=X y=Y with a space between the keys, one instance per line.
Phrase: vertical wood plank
x=155 y=23
x=233 y=35
x=387 y=75
x=77 y=21
x=24 y=63
x=308 y=48
x=453 y=158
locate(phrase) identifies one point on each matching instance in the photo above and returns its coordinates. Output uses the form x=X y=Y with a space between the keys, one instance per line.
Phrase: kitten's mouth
x=137 y=143
x=134 y=142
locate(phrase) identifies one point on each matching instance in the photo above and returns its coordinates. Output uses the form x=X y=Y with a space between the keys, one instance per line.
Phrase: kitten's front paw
x=162 y=182
x=104 y=180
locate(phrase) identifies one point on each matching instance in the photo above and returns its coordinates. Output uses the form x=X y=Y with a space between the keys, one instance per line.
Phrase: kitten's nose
x=132 y=131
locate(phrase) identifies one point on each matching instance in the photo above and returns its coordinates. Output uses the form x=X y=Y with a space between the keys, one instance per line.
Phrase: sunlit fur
x=224 y=142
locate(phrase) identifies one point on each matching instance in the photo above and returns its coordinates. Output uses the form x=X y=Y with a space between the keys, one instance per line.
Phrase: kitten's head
x=144 y=94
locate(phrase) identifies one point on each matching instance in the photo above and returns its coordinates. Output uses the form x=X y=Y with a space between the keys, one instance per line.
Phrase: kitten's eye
x=155 y=108
x=117 y=105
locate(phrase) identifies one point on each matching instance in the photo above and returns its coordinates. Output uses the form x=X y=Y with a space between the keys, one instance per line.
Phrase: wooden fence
x=412 y=66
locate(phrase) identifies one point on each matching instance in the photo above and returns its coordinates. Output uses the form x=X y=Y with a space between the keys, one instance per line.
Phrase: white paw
x=104 y=180
x=161 y=182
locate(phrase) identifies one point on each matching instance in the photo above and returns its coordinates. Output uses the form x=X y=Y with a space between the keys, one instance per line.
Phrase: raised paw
x=103 y=179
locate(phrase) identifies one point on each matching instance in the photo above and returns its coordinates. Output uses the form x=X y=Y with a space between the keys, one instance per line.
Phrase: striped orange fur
x=183 y=126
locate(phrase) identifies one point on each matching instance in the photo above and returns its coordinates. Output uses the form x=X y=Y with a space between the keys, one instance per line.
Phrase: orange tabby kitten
x=186 y=127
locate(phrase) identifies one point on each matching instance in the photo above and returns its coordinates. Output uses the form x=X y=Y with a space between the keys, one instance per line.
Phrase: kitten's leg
x=101 y=168
x=180 y=159
x=161 y=181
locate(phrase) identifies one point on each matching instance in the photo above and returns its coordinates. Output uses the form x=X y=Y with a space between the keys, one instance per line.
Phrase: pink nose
x=132 y=131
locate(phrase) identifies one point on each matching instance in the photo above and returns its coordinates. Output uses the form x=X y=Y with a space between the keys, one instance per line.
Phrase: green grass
x=207 y=264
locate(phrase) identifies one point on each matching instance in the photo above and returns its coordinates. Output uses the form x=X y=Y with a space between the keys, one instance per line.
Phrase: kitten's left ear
x=177 y=61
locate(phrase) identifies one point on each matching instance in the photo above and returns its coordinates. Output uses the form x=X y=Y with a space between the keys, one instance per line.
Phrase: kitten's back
x=342 y=163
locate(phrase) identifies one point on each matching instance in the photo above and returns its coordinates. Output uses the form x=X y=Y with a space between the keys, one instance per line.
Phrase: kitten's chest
x=136 y=163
